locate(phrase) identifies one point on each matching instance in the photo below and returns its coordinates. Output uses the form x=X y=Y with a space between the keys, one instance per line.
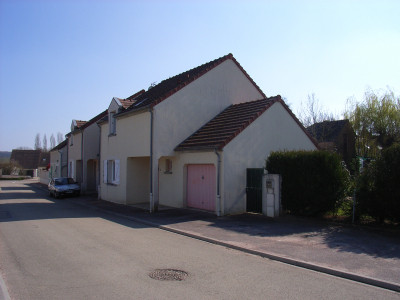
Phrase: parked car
x=63 y=186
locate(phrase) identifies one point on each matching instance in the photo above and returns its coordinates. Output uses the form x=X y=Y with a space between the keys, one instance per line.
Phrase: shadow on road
x=339 y=237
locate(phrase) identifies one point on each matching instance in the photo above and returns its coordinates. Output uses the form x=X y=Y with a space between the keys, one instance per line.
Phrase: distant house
x=30 y=160
x=59 y=160
x=337 y=136
x=189 y=140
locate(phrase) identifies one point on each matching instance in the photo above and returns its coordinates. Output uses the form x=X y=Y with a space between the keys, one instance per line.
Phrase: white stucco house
x=83 y=144
x=188 y=141
x=59 y=160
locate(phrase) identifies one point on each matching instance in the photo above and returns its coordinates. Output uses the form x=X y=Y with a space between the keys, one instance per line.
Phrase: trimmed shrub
x=378 y=188
x=313 y=182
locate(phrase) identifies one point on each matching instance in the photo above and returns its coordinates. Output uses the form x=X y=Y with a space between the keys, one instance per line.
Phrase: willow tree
x=375 y=120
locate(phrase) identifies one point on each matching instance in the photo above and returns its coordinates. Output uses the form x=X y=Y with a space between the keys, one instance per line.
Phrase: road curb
x=298 y=263
x=3 y=290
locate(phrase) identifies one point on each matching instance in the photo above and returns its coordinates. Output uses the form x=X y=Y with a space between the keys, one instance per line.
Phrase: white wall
x=43 y=176
x=58 y=162
x=272 y=131
x=132 y=139
x=74 y=150
x=55 y=166
x=74 y=155
x=172 y=187
x=182 y=114
x=91 y=149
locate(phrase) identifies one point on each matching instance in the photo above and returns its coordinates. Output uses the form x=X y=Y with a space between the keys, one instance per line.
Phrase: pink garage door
x=201 y=187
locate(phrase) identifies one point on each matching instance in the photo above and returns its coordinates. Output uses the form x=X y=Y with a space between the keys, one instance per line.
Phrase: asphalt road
x=55 y=249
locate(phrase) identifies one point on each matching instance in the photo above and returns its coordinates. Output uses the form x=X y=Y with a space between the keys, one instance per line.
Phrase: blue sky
x=64 y=60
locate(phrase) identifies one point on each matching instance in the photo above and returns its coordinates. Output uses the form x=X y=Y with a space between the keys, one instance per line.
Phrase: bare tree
x=45 y=142
x=38 y=144
x=52 y=141
x=313 y=112
x=60 y=137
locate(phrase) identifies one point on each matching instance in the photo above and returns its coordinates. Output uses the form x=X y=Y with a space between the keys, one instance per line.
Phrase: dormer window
x=113 y=123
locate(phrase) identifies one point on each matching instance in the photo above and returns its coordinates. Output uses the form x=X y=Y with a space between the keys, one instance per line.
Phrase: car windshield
x=62 y=181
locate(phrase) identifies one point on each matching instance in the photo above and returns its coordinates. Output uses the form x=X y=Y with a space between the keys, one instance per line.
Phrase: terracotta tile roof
x=80 y=123
x=93 y=120
x=60 y=145
x=218 y=132
x=168 y=87
x=27 y=159
x=126 y=103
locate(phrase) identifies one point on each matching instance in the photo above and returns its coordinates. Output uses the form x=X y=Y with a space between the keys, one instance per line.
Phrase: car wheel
x=50 y=194
x=56 y=195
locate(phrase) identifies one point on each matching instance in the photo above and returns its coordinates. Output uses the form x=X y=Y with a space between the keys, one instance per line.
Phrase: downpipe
x=153 y=207
x=218 y=183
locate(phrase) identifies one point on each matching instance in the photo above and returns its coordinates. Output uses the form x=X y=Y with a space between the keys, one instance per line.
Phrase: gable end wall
x=273 y=131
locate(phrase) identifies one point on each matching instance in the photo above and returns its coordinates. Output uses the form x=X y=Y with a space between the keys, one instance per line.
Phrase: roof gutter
x=99 y=164
x=153 y=204
x=133 y=111
x=82 y=161
x=218 y=182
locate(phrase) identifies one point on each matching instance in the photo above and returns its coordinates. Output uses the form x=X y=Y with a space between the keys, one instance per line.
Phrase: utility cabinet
x=271 y=195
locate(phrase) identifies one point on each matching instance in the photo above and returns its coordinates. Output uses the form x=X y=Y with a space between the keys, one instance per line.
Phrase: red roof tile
x=168 y=87
x=93 y=120
x=126 y=103
x=60 y=145
x=80 y=123
x=30 y=159
x=130 y=100
x=218 y=132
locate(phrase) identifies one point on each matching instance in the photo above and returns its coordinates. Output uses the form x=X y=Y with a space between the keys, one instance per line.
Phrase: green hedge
x=378 y=187
x=313 y=182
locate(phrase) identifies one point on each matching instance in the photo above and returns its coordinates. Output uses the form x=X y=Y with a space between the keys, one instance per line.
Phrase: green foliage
x=313 y=182
x=376 y=122
x=8 y=168
x=378 y=190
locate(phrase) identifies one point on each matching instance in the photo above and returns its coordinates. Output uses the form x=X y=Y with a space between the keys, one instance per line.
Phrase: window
x=111 y=171
x=168 y=166
x=113 y=123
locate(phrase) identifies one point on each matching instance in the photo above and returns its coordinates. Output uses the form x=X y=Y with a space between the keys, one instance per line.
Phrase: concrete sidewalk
x=365 y=255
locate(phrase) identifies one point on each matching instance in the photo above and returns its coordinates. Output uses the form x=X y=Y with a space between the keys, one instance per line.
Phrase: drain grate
x=168 y=274
x=4 y=215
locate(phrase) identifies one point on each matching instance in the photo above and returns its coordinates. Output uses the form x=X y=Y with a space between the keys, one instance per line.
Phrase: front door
x=254 y=190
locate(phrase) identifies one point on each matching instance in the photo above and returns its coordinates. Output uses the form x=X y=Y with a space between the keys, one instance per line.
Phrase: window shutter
x=116 y=170
x=105 y=171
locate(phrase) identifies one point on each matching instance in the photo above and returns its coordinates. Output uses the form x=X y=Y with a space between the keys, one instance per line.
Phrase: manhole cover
x=168 y=274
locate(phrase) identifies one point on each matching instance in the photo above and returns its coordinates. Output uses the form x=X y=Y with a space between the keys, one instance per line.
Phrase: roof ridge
x=135 y=94
x=171 y=85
